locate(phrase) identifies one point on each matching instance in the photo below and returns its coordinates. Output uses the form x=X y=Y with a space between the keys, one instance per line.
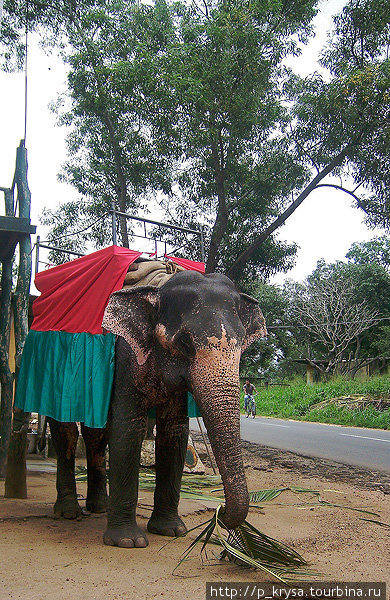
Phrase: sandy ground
x=44 y=559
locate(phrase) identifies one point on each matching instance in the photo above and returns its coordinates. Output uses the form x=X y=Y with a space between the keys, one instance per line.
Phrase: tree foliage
x=338 y=123
x=113 y=161
x=328 y=310
x=193 y=105
x=170 y=98
x=337 y=319
x=376 y=250
x=266 y=358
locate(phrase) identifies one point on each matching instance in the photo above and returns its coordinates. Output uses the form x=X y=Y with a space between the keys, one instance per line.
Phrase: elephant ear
x=252 y=319
x=132 y=314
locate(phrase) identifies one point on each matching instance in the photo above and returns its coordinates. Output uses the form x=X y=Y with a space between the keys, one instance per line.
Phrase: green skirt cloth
x=68 y=376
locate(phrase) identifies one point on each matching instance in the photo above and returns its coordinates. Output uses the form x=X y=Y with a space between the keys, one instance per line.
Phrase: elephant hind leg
x=64 y=437
x=95 y=445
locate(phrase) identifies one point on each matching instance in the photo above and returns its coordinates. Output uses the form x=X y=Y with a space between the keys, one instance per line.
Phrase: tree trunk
x=6 y=377
x=221 y=221
x=16 y=471
x=236 y=268
x=121 y=180
x=15 y=483
x=219 y=229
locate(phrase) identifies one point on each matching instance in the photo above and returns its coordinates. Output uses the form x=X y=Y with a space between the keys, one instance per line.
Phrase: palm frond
x=247 y=546
x=387 y=525
x=362 y=510
x=265 y=495
x=190 y=488
x=205 y=533
x=192 y=484
x=252 y=540
x=322 y=502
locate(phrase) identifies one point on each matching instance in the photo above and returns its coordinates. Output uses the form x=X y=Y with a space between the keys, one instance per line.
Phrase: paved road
x=369 y=448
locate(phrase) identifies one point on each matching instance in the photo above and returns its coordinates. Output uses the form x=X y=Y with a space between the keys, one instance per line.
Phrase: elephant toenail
x=126 y=543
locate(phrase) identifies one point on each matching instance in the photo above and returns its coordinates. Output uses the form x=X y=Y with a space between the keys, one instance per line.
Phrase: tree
x=337 y=125
x=223 y=76
x=339 y=314
x=50 y=18
x=211 y=101
x=370 y=261
x=250 y=161
x=201 y=87
x=112 y=160
x=236 y=141
x=328 y=311
x=375 y=251
x=337 y=319
x=265 y=356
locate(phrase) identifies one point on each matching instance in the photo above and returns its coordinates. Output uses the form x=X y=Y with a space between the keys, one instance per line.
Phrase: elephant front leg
x=126 y=430
x=95 y=445
x=171 y=446
x=64 y=437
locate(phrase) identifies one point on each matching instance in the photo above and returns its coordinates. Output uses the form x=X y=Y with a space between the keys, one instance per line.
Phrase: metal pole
x=202 y=255
x=41 y=418
x=205 y=443
x=185 y=229
x=37 y=254
x=61 y=250
x=114 y=238
x=26 y=74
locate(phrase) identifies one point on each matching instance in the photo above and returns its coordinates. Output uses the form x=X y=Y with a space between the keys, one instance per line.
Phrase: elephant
x=64 y=437
x=186 y=336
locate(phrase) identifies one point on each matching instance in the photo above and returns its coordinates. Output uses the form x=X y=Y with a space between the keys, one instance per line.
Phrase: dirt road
x=44 y=559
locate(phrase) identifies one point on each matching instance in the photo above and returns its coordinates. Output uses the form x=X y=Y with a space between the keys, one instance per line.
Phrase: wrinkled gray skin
x=186 y=336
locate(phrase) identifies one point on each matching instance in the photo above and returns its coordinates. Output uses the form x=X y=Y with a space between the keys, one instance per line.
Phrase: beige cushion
x=150 y=272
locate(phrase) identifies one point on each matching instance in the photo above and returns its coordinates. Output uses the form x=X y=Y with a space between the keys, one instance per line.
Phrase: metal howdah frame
x=115 y=214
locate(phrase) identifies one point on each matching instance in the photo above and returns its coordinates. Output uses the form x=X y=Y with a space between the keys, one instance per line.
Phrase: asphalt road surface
x=368 y=448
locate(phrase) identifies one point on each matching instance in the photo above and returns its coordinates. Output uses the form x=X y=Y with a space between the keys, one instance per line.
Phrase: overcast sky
x=323 y=227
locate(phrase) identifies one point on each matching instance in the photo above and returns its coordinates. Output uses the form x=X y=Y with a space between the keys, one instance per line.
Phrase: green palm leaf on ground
x=387 y=525
x=265 y=495
x=191 y=489
x=248 y=547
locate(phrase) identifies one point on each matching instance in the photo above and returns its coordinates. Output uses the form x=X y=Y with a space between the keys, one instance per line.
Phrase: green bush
x=295 y=401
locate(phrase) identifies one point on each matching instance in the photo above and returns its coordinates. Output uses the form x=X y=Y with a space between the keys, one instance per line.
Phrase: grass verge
x=298 y=400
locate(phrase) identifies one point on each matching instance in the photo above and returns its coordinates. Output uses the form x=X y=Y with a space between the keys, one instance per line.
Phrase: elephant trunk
x=218 y=397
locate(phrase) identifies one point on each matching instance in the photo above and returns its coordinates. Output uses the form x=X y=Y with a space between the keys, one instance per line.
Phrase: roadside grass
x=296 y=401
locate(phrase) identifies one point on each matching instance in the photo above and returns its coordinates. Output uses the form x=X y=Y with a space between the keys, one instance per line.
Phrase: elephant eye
x=184 y=343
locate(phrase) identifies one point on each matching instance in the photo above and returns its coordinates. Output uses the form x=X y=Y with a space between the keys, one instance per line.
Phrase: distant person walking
x=249 y=391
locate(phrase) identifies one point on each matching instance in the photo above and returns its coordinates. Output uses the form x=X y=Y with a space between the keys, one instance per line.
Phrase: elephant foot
x=96 y=504
x=68 y=508
x=172 y=526
x=128 y=536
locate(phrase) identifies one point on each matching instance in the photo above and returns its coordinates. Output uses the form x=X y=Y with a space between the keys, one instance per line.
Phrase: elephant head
x=197 y=326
